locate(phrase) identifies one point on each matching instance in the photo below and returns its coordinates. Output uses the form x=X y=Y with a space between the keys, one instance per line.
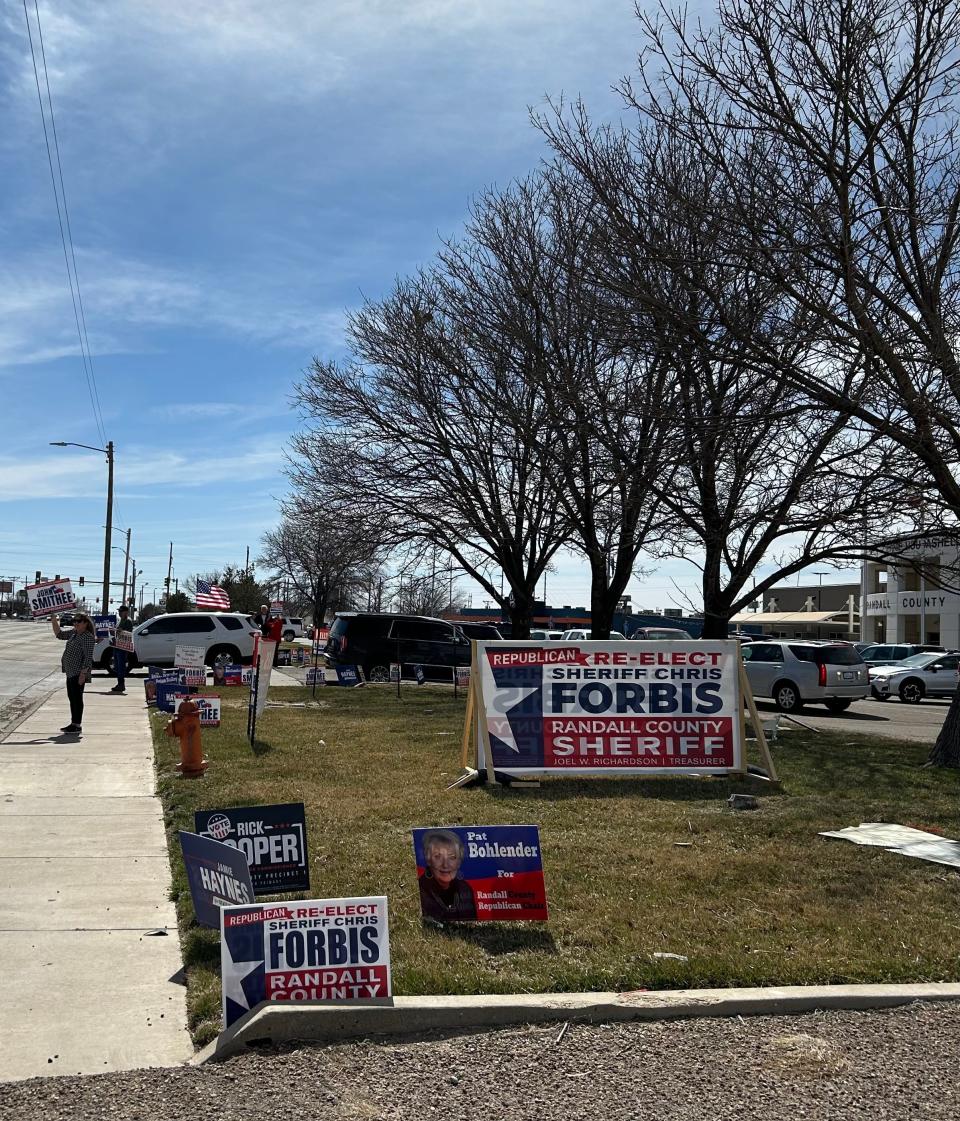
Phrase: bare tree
x=764 y=476
x=327 y=555
x=433 y=423
x=522 y=282
x=834 y=126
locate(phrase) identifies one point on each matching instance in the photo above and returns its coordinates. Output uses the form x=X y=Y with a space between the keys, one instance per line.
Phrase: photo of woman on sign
x=443 y=895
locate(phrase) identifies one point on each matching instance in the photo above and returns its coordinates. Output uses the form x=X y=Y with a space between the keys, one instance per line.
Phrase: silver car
x=795 y=673
x=923 y=675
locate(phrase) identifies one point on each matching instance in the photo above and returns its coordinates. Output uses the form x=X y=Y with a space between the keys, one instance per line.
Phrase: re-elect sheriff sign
x=308 y=950
x=640 y=707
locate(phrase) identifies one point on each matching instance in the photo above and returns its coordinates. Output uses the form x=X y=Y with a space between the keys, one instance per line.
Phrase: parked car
x=579 y=634
x=795 y=673
x=892 y=654
x=546 y=636
x=226 y=636
x=292 y=628
x=373 y=641
x=922 y=675
x=662 y=634
x=486 y=631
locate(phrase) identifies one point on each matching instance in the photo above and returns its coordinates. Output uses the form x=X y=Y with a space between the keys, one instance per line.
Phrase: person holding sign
x=77 y=664
x=443 y=895
x=120 y=656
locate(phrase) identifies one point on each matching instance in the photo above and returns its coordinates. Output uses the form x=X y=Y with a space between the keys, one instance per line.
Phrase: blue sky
x=239 y=176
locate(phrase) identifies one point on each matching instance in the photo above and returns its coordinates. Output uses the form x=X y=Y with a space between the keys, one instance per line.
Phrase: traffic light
x=81 y=581
x=38 y=577
x=57 y=577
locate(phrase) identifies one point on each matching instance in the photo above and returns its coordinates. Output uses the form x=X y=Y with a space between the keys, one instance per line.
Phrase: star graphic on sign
x=501 y=727
x=233 y=977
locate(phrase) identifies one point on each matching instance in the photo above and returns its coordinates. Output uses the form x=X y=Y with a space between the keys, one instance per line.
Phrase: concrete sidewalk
x=84 y=880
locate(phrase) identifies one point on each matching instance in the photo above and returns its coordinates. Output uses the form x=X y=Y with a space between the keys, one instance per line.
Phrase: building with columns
x=917 y=600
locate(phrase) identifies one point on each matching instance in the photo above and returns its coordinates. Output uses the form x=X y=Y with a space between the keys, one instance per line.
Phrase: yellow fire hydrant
x=186 y=725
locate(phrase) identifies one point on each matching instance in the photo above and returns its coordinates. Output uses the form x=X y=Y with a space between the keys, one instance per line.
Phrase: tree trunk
x=601 y=608
x=521 y=612
x=715 y=625
x=716 y=608
x=946 y=751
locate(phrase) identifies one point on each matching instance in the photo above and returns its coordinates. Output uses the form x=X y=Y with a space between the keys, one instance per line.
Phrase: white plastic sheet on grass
x=903 y=840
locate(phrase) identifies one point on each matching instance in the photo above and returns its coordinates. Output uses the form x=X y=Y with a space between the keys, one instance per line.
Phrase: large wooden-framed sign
x=601 y=707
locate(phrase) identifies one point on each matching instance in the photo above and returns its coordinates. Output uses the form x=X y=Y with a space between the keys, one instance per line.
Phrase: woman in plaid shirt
x=77 y=664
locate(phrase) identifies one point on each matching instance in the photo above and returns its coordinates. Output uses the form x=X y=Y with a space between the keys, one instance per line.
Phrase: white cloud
x=76 y=474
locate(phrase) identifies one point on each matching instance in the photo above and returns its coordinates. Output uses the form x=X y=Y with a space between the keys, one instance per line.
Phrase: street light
x=819 y=588
x=108 y=452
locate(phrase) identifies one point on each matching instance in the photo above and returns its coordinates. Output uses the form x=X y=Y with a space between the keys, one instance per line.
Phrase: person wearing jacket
x=77 y=664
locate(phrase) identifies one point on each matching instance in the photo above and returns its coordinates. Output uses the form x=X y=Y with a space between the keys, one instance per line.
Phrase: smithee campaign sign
x=480 y=873
x=273 y=839
x=218 y=876
x=208 y=703
x=641 y=707
x=50 y=597
x=315 y=949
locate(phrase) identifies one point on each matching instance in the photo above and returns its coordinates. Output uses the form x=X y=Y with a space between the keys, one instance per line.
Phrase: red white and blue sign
x=273 y=839
x=596 y=707
x=104 y=626
x=327 y=950
x=480 y=873
x=218 y=876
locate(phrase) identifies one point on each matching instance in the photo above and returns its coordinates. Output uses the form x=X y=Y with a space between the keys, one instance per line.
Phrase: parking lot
x=917 y=723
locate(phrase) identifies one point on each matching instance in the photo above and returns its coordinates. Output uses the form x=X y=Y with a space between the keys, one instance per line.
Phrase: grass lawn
x=634 y=867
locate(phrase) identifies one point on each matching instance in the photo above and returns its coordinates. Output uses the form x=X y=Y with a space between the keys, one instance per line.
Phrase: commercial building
x=916 y=600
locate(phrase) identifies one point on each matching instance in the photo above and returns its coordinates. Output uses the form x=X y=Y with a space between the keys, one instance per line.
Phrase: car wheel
x=879 y=696
x=377 y=673
x=837 y=704
x=911 y=691
x=222 y=656
x=288 y=636
x=786 y=696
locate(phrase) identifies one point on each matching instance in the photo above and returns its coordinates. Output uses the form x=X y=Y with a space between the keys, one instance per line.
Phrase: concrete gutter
x=419 y=1015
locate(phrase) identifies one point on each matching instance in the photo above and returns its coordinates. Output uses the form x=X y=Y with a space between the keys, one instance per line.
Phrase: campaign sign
x=330 y=950
x=232 y=675
x=348 y=675
x=150 y=690
x=462 y=675
x=166 y=686
x=104 y=626
x=283 y=657
x=480 y=873
x=273 y=839
x=188 y=656
x=218 y=876
x=193 y=675
x=419 y=674
x=123 y=640
x=395 y=671
x=208 y=703
x=596 y=707
x=50 y=597
x=316 y=675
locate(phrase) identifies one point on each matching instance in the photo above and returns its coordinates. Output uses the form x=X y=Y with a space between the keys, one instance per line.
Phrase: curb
x=417 y=1015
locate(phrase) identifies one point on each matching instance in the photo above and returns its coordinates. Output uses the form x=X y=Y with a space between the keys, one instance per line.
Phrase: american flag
x=212 y=595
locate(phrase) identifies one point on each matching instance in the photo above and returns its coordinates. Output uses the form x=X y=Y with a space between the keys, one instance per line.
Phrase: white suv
x=226 y=637
x=292 y=628
x=795 y=673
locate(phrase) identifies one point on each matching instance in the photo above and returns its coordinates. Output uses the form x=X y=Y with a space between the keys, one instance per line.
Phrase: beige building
x=915 y=602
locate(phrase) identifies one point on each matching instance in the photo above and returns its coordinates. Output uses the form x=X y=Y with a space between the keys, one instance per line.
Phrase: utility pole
x=106 y=542
x=126 y=569
x=246 y=563
x=133 y=585
x=169 y=571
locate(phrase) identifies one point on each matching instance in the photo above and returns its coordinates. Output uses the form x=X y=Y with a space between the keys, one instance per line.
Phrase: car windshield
x=918 y=660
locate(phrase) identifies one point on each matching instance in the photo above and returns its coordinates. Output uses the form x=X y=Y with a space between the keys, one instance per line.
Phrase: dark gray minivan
x=374 y=640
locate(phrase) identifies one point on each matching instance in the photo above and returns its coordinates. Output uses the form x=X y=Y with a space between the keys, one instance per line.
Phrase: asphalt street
x=893 y=719
x=29 y=667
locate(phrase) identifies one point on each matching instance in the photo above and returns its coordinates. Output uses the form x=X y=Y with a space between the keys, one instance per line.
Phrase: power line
x=66 y=236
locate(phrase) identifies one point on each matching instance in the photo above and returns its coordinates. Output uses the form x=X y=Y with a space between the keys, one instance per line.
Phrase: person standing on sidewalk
x=77 y=664
x=120 y=656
